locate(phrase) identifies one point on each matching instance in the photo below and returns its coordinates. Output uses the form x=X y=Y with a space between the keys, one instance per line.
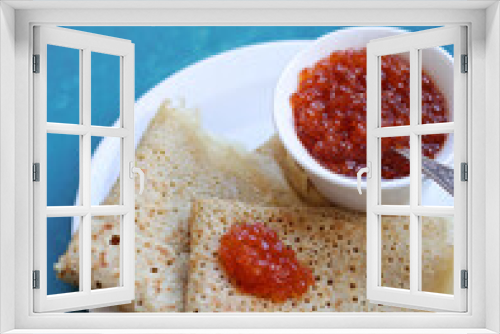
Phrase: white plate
x=233 y=91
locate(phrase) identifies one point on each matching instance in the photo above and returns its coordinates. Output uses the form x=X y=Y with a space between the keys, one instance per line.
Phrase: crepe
x=180 y=161
x=437 y=275
x=331 y=241
x=293 y=172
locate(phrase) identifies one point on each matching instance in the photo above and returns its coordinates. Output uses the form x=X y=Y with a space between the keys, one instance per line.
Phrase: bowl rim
x=310 y=164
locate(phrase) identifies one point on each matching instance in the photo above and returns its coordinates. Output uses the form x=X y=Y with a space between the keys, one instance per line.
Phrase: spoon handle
x=439 y=173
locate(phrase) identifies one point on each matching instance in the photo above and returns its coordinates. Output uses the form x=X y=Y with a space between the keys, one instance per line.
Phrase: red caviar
x=260 y=264
x=329 y=109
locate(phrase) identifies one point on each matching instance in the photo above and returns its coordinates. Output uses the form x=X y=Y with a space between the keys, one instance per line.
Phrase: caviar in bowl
x=320 y=113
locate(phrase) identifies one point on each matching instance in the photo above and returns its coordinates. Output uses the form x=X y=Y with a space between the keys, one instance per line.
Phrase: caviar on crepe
x=258 y=263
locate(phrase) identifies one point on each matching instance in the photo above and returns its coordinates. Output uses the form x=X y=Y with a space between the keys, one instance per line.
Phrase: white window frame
x=484 y=102
x=85 y=43
x=413 y=44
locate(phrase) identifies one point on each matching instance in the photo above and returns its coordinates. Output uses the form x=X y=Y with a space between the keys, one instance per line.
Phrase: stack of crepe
x=196 y=187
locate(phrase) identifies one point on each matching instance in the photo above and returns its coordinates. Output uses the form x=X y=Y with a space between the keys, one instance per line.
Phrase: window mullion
x=66 y=211
x=85 y=236
x=66 y=129
x=392 y=131
x=80 y=130
x=419 y=129
x=406 y=210
x=79 y=211
x=434 y=128
x=127 y=185
x=414 y=172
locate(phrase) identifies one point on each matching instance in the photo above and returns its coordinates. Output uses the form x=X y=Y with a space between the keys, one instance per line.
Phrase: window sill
x=248 y=331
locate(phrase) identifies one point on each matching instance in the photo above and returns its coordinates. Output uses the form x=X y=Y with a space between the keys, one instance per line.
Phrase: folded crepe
x=180 y=161
x=331 y=241
x=295 y=175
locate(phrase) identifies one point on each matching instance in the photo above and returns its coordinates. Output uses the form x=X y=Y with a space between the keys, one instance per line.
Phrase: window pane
x=105 y=169
x=395 y=170
x=437 y=170
x=106 y=255
x=105 y=89
x=437 y=84
x=395 y=236
x=437 y=254
x=63 y=85
x=395 y=89
x=63 y=169
x=59 y=279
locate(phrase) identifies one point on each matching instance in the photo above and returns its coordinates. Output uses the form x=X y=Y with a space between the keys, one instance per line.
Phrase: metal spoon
x=438 y=172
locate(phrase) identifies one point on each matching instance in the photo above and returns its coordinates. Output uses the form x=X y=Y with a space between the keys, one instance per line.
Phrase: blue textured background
x=160 y=52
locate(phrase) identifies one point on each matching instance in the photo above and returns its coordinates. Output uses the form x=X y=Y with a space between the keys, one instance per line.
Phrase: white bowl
x=339 y=188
